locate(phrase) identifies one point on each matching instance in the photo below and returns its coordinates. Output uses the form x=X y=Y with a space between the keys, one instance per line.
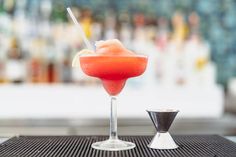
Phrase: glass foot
x=113 y=145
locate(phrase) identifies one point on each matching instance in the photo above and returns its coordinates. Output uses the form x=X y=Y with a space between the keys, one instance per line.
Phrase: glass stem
x=113 y=119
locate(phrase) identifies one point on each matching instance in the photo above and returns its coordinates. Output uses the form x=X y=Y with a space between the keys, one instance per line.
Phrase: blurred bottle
x=161 y=42
x=15 y=65
x=50 y=65
x=140 y=38
x=36 y=70
x=86 y=22
x=2 y=72
x=1 y=7
x=9 y=6
x=162 y=38
x=36 y=62
x=139 y=20
x=46 y=9
x=180 y=29
x=126 y=31
x=51 y=71
x=110 y=26
x=70 y=33
x=200 y=70
x=126 y=35
x=33 y=10
x=194 y=23
x=58 y=12
x=96 y=30
x=175 y=68
x=65 y=68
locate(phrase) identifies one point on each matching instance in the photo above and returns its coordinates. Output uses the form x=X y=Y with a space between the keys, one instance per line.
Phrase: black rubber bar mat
x=80 y=146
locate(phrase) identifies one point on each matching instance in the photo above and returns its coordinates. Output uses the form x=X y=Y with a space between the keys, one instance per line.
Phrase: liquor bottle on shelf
x=126 y=35
x=139 y=41
x=180 y=29
x=110 y=26
x=96 y=31
x=51 y=71
x=2 y=72
x=161 y=42
x=86 y=22
x=58 y=12
x=46 y=9
x=201 y=71
x=125 y=31
x=36 y=70
x=176 y=63
x=65 y=68
x=9 y=6
x=162 y=37
x=194 y=23
x=15 y=65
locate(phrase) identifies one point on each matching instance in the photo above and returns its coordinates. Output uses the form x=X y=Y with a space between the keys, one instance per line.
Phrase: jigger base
x=162 y=141
x=113 y=145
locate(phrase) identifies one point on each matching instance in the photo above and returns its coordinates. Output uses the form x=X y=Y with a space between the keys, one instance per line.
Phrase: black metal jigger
x=162 y=120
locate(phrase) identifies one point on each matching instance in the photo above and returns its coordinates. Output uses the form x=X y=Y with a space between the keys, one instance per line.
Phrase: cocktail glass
x=113 y=72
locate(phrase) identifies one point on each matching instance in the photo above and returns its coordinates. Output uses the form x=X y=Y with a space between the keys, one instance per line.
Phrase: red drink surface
x=113 y=70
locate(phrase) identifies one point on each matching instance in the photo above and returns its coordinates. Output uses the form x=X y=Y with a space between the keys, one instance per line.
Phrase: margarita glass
x=113 y=69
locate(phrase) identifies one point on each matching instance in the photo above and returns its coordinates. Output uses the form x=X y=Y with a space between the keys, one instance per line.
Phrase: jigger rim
x=162 y=110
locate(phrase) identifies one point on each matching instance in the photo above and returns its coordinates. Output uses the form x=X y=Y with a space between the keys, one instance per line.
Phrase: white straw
x=86 y=41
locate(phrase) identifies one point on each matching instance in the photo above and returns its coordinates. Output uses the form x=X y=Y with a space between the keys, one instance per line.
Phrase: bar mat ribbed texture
x=80 y=146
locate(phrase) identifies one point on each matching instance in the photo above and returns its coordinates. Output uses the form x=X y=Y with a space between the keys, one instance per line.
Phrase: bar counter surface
x=189 y=146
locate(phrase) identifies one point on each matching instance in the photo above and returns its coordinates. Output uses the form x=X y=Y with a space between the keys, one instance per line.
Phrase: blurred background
x=191 y=49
